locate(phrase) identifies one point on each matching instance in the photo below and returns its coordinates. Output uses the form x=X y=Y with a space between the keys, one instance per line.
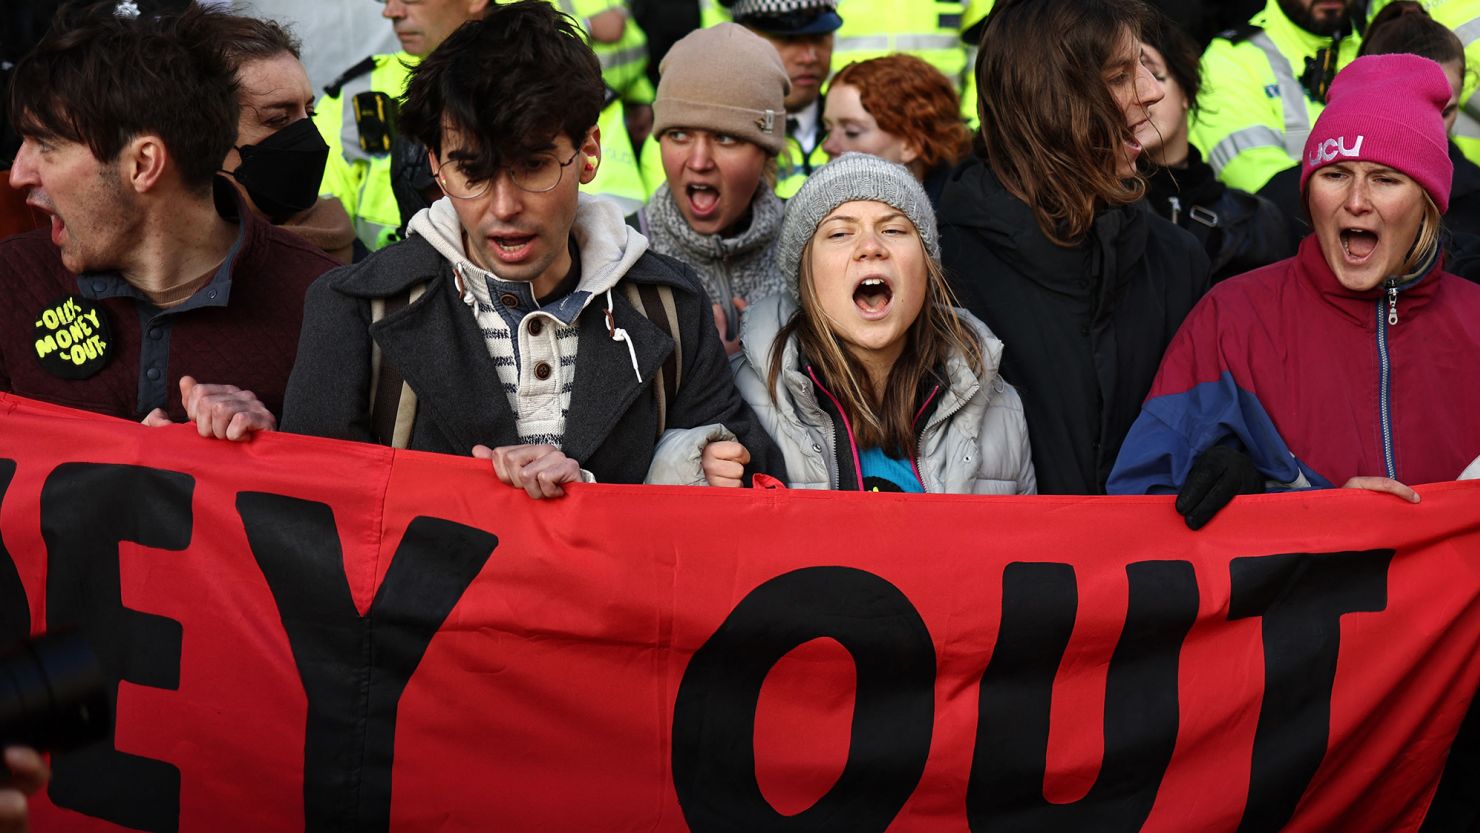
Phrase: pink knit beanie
x=1387 y=109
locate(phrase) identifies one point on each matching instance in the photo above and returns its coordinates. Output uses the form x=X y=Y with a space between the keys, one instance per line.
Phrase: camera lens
x=52 y=694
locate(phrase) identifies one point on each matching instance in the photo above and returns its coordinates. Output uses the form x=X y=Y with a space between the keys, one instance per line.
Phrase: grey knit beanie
x=852 y=176
x=726 y=79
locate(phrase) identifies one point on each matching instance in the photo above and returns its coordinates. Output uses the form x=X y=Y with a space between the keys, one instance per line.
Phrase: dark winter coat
x=1084 y=327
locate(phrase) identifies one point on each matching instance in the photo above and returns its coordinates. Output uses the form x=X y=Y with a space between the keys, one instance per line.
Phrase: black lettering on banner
x=894 y=708
x=1039 y=605
x=1301 y=599
x=354 y=669
x=87 y=509
x=15 y=608
x=1456 y=804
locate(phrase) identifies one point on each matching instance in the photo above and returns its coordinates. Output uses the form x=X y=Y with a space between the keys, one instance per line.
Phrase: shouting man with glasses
x=521 y=321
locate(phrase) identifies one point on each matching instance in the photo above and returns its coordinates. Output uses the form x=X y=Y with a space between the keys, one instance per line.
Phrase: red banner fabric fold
x=315 y=635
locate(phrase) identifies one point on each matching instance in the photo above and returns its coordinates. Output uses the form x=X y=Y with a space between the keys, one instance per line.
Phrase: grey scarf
x=743 y=265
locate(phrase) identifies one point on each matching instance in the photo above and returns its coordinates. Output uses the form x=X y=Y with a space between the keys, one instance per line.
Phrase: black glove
x=1216 y=476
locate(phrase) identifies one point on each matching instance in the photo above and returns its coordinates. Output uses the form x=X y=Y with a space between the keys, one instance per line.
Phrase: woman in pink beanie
x=1353 y=363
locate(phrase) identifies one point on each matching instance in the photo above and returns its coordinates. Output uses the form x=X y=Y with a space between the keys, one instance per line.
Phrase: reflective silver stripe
x=621 y=57
x=1292 y=96
x=569 y=7
x=1468 y=123
x=925 y=43
x=898 y=43
x=862 y=43
x=371 y=233
x=1468 y=126
x=1468 y=32
x=1258 y=136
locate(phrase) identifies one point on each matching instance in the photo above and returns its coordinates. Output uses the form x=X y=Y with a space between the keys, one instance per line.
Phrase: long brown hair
x=1052 y=131
x=885 y=422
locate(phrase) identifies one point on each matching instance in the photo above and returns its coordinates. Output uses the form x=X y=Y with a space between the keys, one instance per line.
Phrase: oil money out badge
x=73 y=340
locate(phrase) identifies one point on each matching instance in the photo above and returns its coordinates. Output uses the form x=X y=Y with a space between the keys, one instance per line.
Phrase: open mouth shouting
x=872 y=296
x=703 y=200
x=58 y=225
x=1358 y=244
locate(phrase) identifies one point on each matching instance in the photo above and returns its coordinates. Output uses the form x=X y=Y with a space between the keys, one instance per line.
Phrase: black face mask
x=282 y=172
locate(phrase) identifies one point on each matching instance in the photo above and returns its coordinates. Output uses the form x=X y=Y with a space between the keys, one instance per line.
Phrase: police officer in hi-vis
x=357 y=117
x=802 y=32
x=1264 y=84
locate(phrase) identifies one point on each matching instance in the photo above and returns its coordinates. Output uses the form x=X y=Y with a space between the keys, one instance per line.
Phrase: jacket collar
x=230 y=206
x=1361 y=307
x=1193 y=184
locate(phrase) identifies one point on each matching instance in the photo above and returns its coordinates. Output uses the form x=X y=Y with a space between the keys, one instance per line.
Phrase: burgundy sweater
x=241 y=328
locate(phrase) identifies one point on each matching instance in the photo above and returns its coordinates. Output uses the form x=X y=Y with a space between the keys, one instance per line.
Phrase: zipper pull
x=1176 y=205
x=1392 y=305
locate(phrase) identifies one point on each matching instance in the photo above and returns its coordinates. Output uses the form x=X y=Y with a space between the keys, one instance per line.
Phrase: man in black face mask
x=279 y=155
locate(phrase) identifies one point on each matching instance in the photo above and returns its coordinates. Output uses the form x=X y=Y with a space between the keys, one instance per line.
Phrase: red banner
x=311 y=635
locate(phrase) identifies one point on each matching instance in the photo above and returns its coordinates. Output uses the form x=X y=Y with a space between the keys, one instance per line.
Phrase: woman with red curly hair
x=901 y=109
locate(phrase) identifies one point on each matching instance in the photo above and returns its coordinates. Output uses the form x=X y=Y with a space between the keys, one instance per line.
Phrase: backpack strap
x=392 y=402
x=656 y=305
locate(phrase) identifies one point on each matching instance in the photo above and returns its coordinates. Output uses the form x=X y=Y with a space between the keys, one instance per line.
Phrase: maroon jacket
x=241 y=328
x=1316 y=382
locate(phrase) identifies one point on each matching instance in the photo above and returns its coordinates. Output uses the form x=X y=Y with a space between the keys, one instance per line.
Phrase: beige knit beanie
x=726 y=79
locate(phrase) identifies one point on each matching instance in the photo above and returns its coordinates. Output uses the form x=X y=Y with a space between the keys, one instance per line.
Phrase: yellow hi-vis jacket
x=711 y=13
x=928 y=30
x=620 y=177
x=624 y=63
x=976 y=12
x=1253 y=114
x=358 y=172
x=624 y=69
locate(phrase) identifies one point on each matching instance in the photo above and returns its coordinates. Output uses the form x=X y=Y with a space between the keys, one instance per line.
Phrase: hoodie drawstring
x=619 y=334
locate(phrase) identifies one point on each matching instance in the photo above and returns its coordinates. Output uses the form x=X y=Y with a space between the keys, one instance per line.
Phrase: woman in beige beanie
x=720 y=121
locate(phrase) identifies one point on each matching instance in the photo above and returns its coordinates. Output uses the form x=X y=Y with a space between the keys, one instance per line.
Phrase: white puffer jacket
x=975 y=441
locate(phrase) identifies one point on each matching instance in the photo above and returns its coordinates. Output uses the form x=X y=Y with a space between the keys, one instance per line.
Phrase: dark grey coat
x=436 y=345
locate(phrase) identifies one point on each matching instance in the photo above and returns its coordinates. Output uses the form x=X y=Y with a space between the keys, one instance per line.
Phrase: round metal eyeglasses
x=536 y=173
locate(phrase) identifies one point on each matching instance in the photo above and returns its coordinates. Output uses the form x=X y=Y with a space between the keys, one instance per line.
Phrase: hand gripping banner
x=319 y=636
